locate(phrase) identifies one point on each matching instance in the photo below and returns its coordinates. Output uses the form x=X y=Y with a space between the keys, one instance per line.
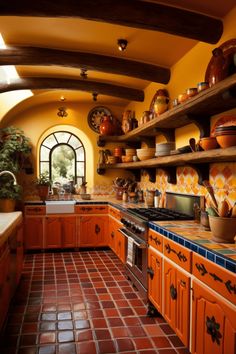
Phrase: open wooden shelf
x=216 y=155
x=197 y=160
x=197 y=110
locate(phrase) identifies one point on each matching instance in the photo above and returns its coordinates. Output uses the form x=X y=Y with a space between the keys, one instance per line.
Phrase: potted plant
x=43 y=183
x=9 y=194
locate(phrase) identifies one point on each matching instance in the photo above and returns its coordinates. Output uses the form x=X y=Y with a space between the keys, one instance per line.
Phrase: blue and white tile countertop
x=187 y=233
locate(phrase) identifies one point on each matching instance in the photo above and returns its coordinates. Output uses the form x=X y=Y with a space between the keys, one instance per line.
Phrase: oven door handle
x=138 y=244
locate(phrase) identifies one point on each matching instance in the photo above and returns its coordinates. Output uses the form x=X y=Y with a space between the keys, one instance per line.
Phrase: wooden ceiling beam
x=35 y=83
x=132 y=13
x=45 y=56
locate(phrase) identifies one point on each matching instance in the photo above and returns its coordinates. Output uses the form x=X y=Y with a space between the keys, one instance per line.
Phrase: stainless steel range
x=135 y=229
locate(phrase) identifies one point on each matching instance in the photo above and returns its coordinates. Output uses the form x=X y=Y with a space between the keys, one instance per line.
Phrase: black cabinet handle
x=173 y=292
x=155 y=239
x=213 y=329
x=150 y=271
x=179 y=254
x=97 y=229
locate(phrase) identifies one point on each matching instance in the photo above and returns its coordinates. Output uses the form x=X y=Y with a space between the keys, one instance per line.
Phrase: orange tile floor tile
x=81 y=302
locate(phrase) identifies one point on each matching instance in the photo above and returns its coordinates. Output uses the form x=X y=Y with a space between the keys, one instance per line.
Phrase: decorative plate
x=95 y=116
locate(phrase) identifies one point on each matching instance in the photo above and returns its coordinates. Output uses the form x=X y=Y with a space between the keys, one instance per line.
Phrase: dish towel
x=130 y=252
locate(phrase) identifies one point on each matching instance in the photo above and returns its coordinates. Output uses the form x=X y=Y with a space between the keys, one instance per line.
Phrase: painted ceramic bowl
x=208 y=143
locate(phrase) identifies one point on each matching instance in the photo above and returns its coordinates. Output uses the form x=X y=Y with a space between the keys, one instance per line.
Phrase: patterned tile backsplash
x=222 y=178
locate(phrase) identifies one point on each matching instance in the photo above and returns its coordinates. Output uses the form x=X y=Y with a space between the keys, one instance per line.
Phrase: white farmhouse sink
x=60 y=206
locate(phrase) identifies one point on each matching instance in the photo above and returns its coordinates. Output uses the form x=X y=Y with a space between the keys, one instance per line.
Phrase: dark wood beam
x=88 y=61
x=132 y=13
x=35 y=83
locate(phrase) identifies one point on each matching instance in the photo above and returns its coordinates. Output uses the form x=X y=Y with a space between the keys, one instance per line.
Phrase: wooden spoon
x=211 y=192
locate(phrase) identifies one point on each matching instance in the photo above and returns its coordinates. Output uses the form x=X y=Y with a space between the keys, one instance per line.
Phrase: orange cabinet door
x=33 y=232
x=93 y=231
x=120 y=246
x=177 y=301
x=111 y=234
x=182 y=318
x=213 y=323
x=170 y=293
x=53 y=232
x=155 y=279
x=68 y=225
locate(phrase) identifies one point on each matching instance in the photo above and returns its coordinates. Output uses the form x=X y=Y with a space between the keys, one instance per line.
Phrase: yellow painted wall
x=187 y=73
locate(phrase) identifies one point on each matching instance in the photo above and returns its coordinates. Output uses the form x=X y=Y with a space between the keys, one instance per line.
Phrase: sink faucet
x=10 y=173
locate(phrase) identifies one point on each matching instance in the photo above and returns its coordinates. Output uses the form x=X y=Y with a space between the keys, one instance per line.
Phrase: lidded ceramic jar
x=219 y=67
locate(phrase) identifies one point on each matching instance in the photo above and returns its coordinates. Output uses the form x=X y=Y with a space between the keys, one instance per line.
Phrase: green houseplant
x=43 y=184
x=15 y=147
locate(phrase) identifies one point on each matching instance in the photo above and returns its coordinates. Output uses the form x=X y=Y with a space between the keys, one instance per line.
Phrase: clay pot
x=161 y=104
x=43 y=192
x=106 y=126
x=208 y=143
x=7 y=205
x=219 y=67
x=223 y=229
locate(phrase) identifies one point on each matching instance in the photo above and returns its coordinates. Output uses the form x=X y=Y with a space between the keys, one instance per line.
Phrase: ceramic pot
x=161 y=104
x=43 y=192
x=106 y=126
x=218 y=68
x=7 y=205
x=223 y=229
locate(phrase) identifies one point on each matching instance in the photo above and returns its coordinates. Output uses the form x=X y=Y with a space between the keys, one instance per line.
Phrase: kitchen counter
x=193 y=236
x=187 y=233
x=8 y=221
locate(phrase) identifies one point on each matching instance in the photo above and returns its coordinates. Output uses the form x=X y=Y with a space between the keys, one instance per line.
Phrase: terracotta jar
x=161 y=102
x=106 y=126
x=219 y=67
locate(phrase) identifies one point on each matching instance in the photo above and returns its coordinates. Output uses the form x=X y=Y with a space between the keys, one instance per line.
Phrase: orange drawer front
x=218 y=278
x=114 y=212
x=180 y=255
x=35 y=210
x=91 y=209
x=155 y=240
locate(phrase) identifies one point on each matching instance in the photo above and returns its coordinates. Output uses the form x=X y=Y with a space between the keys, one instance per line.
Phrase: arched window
x=62 y=155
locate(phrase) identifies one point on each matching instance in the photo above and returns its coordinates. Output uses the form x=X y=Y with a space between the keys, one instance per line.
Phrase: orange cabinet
x=155 y=278
x=213 y=323
x=60 y=232
x=176 y=308
x=218 y=278
x=33 y=232
x=116 y=241
x=91 y=209
x=93 y=231
x=155 y=240
x=178 y=254
x=112 y=233
x=120 y=242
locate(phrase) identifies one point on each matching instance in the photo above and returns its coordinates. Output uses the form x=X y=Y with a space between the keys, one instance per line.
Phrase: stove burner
x=156 y=214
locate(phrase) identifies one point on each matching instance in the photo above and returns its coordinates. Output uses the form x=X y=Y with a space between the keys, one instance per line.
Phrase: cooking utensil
x=192 y=143
x=211 y=192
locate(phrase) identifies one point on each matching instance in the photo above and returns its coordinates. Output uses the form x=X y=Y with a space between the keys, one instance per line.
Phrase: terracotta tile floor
x=81 y=302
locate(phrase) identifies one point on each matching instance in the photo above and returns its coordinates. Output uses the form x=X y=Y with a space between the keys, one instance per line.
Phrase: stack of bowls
x=145 y=153
x=111 y=159
x=164 y=148
x=226 y=135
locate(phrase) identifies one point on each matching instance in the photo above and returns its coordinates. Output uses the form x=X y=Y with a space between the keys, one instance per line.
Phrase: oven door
x=136 y=260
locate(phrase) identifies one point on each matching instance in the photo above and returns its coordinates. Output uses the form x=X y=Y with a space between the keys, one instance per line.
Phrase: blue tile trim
x=211 y=255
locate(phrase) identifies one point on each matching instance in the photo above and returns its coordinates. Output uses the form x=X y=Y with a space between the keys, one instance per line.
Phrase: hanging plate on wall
x=95 y=116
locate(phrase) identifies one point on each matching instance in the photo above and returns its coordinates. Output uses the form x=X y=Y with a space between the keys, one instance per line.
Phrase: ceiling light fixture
x=95 y=96
x=122 y=44
x=62 y=110
x=83 y=73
